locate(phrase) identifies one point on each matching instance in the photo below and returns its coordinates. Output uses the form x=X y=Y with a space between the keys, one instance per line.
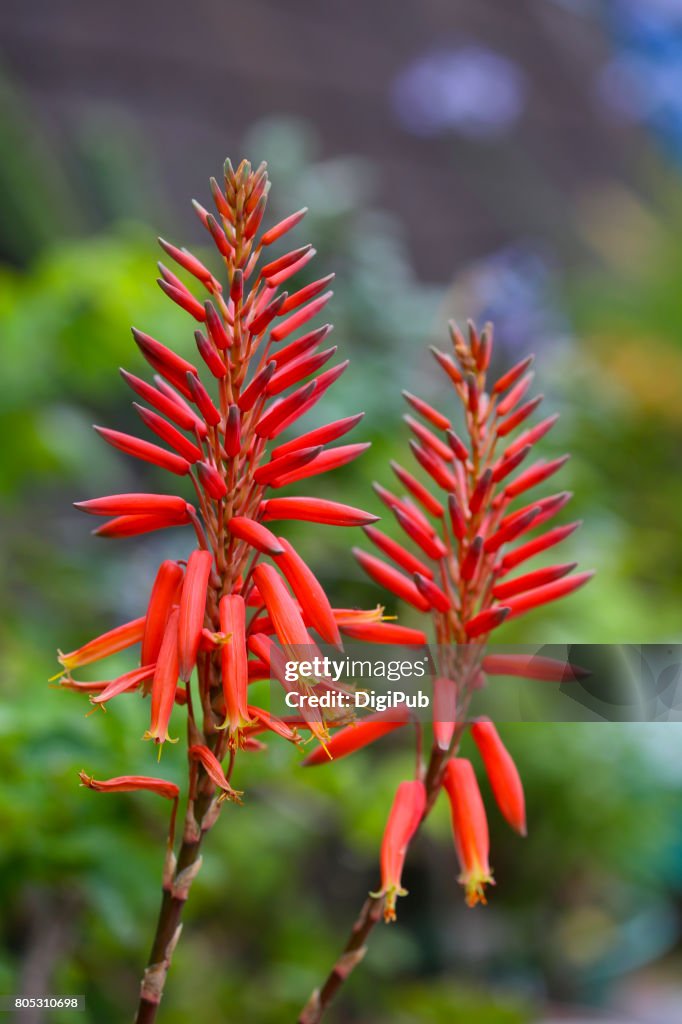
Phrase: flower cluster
x=224 y=602
x=465 y=537
x=220 y=421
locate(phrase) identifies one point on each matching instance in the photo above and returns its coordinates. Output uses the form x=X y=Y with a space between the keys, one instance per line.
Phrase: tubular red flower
x=535 y=546
x=300 y=317
x=532 y=666
x=436 y=470
x=255 y=534
x=532 y=435
x=511 y=376
x=216 y=327
x=164 y=360
x=202 y=399
x=521 y=414
x=459 y=449
x=320 y=385
x=436 y=597
x=301 y=346
x=309 y=291
x=186 y=448
x=134 y=504
x=549 y=592
x=134 y=525
x=430 y=544
x=262 y=321
x=112 y=642
x=284 y=225
x=386 y=576
x=165 y=594
x=189 y=262
x=212 y=481
x=457 y=520
x=265 y=721
x=472 y=559
x=360 y=734
x=515 y=395
x=429 y=439
x=323 y=462
x=511 y=530
x=296 y=369
x=233 y=438
x=256 y=388
x=286 y=618
x=418 y=491
x=275 y=472
x=210 y=356
x=233 y=655
x=503 y=775
x=447 y=364
x=164 y=683
x=145 y=451
x=444 y=711
x=384 y=633
x=277 y=417
x=322 y=435
x=192 y=610
x=309 y=593
x=315 y=510
x=470 y=828
x=406 y=813
x=480 y=492
x=510 y=588
x=396 y=552
x=435 y=418
x=534 y=475
x=507 y=464
x=284 y=262
x=131 y=783
x=184 y=299
x=274 y=280
x=485 y=621
x=213 y=768
x=168 y=406
x=123 y=684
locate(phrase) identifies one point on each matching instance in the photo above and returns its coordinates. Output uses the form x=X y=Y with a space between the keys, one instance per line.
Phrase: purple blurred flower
x=469 y=89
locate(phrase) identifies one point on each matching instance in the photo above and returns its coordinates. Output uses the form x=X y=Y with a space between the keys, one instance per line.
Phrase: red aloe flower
x=259 y=367
x=504 y=777
x=457 y=567
x=470 y=828
x=403 y=821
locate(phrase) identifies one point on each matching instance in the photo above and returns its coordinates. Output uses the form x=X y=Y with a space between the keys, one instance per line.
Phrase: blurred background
x=516 y=162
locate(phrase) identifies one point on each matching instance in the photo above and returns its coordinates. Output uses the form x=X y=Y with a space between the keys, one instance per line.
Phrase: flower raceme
x=214 y=426
x=221 y=424
x=467 y=516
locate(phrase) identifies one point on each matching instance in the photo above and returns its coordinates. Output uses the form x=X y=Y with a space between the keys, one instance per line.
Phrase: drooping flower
x=406 y=813
x=470 y=828
x=503 y=774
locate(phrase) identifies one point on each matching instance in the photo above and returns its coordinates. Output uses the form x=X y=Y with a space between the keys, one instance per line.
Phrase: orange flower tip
x=475 y=888
x=389 y=896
